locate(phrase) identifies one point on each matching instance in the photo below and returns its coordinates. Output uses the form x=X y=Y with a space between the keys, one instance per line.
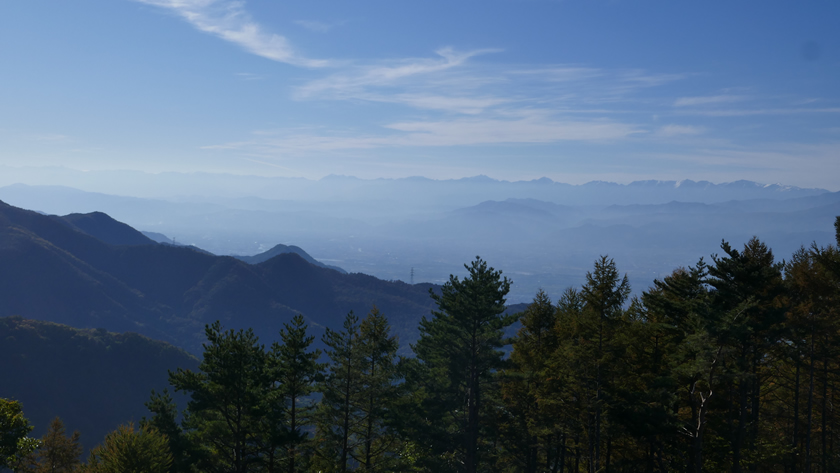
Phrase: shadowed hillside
x=53 y=272
x=93 y=379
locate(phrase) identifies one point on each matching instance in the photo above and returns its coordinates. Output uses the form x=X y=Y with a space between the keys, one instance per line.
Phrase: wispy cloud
x=644 y=78
x=679 y=130
x=708 y=100
x=762 y=111
x=454 y=99
x=317 y=26
x=360 y=77
x=560 y=73
x=228 y=20
x=536 y=128
x=249 y=76
x=449 y=103
x=775 y=157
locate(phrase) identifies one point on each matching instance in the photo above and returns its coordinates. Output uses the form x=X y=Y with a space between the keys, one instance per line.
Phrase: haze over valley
x=544 y=234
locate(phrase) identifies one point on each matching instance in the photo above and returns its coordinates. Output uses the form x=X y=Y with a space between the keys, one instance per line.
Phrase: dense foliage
x=92 y=379
x=727 y=366
x=15 y=445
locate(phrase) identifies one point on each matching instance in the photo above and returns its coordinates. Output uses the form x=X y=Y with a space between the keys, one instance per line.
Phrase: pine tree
x=227 y=394
x=564 y=391
x=747 y=299
x=687 y=365
x=294 y=369
x=604 y=295
x=165 y=420
x=455 y=371
x=58 y=452
x=377 y=438
x=812 y=340
x=530 y=427
x=339 y=419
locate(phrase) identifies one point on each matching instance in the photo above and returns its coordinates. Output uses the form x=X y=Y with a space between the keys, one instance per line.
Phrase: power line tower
x=412 y=275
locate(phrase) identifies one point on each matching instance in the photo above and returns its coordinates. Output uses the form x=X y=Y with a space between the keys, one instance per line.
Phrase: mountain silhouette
x=52 y=271
x=283 y=249
x=106 y=229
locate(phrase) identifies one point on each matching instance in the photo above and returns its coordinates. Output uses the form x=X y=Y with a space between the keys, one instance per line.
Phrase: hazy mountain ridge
x=53 y=272
x=280 y=249
x=106 y=229
x=348 y=188
x=435 y=226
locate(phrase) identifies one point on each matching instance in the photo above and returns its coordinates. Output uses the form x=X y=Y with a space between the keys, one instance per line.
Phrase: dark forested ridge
x=106 y=229
x=52 y=271
x=92 y=379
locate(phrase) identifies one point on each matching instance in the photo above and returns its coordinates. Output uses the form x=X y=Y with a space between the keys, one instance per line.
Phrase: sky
x=573 y=90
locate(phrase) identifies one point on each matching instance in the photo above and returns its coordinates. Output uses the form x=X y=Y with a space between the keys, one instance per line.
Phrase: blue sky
x=514 y=89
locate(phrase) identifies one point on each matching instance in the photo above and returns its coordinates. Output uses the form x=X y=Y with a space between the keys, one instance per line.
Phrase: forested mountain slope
x=54 y=272
x=92 y=379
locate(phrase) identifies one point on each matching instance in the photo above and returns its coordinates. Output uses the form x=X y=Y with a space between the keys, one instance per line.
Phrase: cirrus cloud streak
x=229 y=21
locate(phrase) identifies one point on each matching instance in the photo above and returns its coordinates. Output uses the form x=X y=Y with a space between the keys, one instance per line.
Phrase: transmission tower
x=412 y=275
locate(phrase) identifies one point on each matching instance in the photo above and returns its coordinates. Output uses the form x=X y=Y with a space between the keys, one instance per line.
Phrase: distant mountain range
x=389 y=194
x=53 y=270
x=544 y=234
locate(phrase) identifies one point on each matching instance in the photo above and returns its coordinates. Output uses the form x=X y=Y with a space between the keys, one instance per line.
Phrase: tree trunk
x=795 y=442
x=293 y=426
x=471 y=460
x=824 y=415
x=810 y=408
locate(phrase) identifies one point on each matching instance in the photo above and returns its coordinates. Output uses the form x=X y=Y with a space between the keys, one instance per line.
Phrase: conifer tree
x=338 y=413
x=58 y=452
x=747 y=299
x=226 y=407
x=294 y=369
x=377 y=438
x=530 y=425
x=458 y=357
x=604 y=295
x=564 y=391
x=812 y=340
x=164 y=419
x=687 y=364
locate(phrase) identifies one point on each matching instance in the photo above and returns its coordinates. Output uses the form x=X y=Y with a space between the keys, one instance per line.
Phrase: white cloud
x=316 y=26
x=708 y=100
x=249 y=76
x=561 y=73
x=228 y=20
x=677 y=130
x=361 y=77
x=449 y=103
x=536 y=128
x=641 y=78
